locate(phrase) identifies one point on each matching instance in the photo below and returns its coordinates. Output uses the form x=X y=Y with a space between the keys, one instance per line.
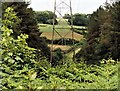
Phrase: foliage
x=17 y=58
x=115 y=31
x=79 y=19
x=24 y=73
x=76 y=76
x=28 y=25
x=46 y=17
x=82 y=31
x=21 y=69
x=28 y=22
x=60 y=41
x=57 y=57
x=67 y=16
x=103 y=35
x=50 y=21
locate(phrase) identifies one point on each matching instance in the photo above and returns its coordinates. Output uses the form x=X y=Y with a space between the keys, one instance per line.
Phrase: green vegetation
x=47 y=30
x=63 y=23
x=45 y=17
x=21 y=70
x=78 y=19
x=27 y=25
x=25 y=65
x=103 y=38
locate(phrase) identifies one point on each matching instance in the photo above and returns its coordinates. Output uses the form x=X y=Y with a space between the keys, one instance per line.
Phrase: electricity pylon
x=62 y=7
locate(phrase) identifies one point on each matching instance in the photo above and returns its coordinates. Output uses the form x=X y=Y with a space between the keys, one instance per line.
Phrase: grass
x=56 y=36
x=63 y=47
x=62 y=28
x=70 y=54
x=49 y=28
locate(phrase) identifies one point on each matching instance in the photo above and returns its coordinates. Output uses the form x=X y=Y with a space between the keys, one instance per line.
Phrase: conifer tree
x=115 y=31
x=103 y=39
x=28 y=25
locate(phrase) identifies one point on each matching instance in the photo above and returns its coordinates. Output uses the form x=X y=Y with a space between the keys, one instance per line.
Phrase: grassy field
x=65 y=32
x=62 y=23
x=63 y=28
x=63 y=47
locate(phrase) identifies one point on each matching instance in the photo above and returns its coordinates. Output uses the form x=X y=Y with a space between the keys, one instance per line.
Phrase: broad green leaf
x=18 y=59
x=20 y=88
x=10 y=53
x=6 y=58
x=11 y=61
x=40 y=87
x=33 y=76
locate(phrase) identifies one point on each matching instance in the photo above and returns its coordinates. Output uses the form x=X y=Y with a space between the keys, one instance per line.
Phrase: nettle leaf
x=25 y=77
x=18 y=59
x=10 y=54
x=33 y=76
x=11 y=60
x=40 y=87
x=8 y=34
x=20 y=87
x=6 y=58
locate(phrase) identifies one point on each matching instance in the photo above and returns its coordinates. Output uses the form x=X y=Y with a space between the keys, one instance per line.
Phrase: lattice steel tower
x=65 y=31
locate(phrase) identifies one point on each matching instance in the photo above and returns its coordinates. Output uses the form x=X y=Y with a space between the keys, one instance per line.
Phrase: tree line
x=46 y=17
x=27 y=25
x=103 y=38
x=101 y=42
x=78 y=19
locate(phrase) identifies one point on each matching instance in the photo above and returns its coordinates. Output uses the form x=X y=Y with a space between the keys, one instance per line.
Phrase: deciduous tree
x=28 y=25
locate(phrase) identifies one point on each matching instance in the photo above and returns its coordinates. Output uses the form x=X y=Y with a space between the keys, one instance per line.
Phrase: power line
x=59 y=7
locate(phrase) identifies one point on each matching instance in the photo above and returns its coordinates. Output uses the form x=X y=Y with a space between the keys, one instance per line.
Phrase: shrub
x=18 y=60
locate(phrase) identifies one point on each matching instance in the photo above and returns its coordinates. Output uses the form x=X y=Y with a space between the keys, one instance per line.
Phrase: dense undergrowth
x=22 y=70
x=80 y=76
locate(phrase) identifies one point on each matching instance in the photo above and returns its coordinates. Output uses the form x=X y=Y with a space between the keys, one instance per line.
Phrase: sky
x=78 y=6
